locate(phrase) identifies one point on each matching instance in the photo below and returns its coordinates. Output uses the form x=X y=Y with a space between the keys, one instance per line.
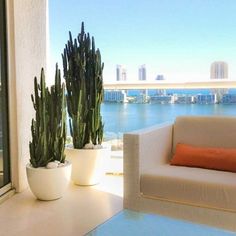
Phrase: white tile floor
x=78 y=212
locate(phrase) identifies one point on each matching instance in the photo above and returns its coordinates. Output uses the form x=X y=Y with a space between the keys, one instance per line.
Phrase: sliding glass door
x=4 y=137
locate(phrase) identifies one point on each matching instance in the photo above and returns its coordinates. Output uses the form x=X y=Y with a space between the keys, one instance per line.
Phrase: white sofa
x=151 y=184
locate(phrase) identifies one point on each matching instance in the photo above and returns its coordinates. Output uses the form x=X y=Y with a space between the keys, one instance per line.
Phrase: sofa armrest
x=144 y=149
x=152 y=146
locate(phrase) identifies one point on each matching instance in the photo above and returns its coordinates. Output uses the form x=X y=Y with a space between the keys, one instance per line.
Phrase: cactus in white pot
x=48 y=173
x=83 y=74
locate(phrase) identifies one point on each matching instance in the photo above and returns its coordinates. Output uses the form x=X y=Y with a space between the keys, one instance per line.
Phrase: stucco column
x=27 y=25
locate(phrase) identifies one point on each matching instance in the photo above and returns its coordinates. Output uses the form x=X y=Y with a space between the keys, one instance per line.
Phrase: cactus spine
x=48 y=129
x=84 y=84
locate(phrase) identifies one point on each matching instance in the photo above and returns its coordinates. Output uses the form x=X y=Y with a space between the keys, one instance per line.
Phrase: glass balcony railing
x=129 y=110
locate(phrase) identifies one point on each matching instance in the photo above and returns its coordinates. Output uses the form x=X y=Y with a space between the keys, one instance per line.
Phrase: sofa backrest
x=205 y=131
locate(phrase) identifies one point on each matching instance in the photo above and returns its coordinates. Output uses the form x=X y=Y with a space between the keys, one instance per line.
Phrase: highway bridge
x=165 y=85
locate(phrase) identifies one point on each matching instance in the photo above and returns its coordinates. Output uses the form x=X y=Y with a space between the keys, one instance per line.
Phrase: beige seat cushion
x=196 y=186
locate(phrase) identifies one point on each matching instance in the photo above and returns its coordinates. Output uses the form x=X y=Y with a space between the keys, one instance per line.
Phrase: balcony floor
x=79 y=211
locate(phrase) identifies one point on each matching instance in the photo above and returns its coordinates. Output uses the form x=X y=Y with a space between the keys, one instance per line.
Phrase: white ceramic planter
x=48 y=184
x=87 y=164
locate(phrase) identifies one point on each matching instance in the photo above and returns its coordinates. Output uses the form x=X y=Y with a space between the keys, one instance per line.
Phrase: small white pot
x=48 y=184
x=87 y=164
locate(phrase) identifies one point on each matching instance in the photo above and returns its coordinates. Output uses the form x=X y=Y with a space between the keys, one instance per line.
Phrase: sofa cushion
x=210 y=158
x=205 y=131
x=196 y=186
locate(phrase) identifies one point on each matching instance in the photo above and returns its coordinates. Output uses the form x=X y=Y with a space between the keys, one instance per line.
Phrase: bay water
x=120 y=118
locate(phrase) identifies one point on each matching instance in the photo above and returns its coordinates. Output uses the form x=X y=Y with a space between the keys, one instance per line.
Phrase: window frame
x=4 y=95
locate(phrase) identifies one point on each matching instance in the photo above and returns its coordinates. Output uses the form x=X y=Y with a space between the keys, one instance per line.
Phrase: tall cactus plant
x=48 y=128
x=84 y=84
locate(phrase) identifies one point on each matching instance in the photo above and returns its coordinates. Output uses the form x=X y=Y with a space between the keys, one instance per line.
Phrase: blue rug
x=133 y=223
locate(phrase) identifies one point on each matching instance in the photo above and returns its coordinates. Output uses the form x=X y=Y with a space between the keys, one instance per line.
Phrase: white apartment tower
x=219 y=70
x=121 y=73
x=142 y=72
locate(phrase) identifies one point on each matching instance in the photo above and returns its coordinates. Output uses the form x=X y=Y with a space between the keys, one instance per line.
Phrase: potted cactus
x=48 y=173
x=83 y=73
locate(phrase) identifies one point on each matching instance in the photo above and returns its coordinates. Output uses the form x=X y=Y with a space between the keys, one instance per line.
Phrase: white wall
x=27 y=51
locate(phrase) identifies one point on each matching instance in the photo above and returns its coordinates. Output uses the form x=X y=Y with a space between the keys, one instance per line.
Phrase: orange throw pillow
x=209 y=158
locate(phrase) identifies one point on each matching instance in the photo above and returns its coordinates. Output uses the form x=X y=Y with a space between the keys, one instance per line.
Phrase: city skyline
x=218 y=70
x=179 y=42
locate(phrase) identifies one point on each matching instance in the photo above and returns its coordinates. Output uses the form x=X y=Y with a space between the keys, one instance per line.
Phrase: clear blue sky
x=177 y=38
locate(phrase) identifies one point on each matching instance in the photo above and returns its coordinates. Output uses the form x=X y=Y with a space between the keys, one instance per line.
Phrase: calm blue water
x=120 y=118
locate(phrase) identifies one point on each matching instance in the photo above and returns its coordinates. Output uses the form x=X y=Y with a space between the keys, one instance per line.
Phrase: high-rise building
x=219 y=70
x=142 y=72
x=121 y=73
